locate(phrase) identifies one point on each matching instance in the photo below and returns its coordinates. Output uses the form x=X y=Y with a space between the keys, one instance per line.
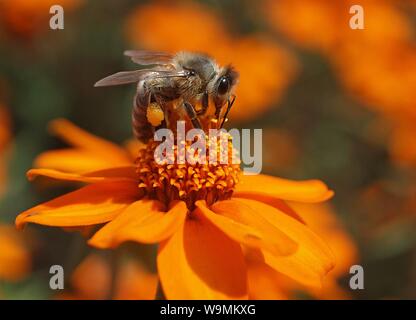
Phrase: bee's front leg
x=204 y=103
x=192 y=114
x=230 y=103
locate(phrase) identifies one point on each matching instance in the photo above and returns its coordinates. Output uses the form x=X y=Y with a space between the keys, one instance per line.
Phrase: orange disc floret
x=205 y=177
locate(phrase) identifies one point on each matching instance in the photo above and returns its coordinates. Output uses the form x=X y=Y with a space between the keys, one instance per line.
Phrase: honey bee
x=184 y=81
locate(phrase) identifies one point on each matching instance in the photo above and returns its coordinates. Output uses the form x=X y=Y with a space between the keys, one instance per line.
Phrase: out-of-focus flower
x=377 y=65
x=92 y=280
x=27 y=17
x=266 y=69
x=200 y=215
x=15 y=262
x=200 y=28
x=300 y=21
x=382 y=79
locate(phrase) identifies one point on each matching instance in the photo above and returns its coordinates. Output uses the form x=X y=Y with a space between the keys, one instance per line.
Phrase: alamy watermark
x=56 y=281
x=210 y=148
x=56 y=22
x=357 y=278
x=357 y=20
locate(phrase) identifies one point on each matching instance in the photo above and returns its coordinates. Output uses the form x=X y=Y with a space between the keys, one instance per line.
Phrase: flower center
x=209 y=174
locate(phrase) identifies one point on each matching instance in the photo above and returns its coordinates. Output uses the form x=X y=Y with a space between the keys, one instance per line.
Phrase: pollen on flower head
x=190 y=180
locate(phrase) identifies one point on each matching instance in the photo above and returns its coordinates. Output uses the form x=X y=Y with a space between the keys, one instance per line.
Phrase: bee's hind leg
x=192 y=114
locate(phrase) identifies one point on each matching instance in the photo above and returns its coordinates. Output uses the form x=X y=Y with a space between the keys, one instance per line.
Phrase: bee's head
x=223 y=86
x=207 y=78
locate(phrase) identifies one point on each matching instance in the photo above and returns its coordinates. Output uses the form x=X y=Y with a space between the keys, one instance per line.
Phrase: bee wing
x=126 y=77
x=122 y=77
x=149 y=57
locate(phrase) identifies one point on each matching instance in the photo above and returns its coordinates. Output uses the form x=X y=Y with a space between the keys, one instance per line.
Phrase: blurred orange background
x=334 y=103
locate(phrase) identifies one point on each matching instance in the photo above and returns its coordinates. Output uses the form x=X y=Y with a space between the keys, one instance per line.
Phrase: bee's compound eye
x=223 y=86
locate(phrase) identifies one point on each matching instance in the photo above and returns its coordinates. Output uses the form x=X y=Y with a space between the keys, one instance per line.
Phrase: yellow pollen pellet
x=154 y=114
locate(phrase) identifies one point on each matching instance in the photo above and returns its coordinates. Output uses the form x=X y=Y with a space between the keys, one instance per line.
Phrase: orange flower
x=199 y=214
x=266 y=69
x=91 y=280
x=27 y=17
x=14 y=255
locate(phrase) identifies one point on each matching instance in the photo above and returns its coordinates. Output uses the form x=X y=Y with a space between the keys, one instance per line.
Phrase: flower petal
x=144 y=221
x=243 y=225
x=310 y=262
x=302 y=191
x=133 y=146
x=201 y=262
x=78 y=160
x=276 y=203
x=78 y=137
x=92 y=204
x=106 y=175
x=322 y=219
x=264 y=283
